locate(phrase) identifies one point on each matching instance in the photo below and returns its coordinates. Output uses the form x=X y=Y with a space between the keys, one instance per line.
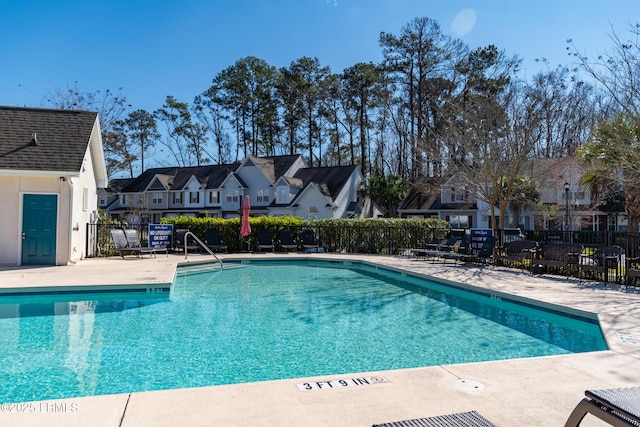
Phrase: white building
x=51 y=165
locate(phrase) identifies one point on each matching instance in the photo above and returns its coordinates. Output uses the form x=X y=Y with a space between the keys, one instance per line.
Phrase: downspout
x=70 y=242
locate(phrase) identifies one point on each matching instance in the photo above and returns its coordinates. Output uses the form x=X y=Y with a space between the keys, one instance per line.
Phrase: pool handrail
x=201 y=243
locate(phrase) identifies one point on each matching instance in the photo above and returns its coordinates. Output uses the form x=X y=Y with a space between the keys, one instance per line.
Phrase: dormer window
x=459 y=194
x=283 y=195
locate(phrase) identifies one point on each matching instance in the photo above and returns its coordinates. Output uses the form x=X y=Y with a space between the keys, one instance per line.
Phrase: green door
x=39 y=219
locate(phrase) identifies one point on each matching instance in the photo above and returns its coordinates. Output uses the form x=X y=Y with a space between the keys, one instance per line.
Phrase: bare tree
x=614 y=150
x=111 y=108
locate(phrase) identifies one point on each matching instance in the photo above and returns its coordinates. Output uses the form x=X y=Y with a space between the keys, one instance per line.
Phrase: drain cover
x=470 y=385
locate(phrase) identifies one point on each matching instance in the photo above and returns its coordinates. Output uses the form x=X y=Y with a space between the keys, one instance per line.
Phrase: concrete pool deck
x=521 y=392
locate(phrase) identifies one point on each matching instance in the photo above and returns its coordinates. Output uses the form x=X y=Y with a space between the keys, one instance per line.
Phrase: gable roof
x=329 y=180
x=423 y=195
x=273 y=167
x=553 y=169
x=117 y=184
x=61 y=139
x=175 y=178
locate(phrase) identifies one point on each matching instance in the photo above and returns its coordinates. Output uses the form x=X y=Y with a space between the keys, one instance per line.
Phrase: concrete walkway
x=522 y=392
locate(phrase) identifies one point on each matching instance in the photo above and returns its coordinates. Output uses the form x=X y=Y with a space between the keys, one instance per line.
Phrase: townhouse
x=276 y=185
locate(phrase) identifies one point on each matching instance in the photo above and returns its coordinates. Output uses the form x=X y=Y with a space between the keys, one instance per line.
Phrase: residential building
x=567 y=203
x=560 y=187
x=276 y=185
x=450 y=199
x=51 y=165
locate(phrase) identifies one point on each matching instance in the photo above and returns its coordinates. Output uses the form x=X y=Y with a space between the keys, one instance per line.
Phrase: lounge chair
x=461 y=419
x=484 y=255
x=432 y=248
x=285 y=240
x=181 y=245
x=462 y=249
x=121 y=244
x=432 y=245
x=213 y=242
x=133 y=243
x=265 y=241
x=616 y=406
x=444 y=248
x=309 y=242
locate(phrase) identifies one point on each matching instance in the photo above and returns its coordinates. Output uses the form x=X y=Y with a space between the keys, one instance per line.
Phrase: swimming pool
x=261 y=321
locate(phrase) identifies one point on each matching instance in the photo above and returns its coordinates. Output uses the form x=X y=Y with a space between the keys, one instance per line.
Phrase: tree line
x=432 y=107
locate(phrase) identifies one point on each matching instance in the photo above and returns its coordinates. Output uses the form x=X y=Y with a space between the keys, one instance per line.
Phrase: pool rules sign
x=347 y=382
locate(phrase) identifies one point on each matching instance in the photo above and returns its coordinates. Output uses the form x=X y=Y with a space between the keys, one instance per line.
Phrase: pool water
x=264 y=321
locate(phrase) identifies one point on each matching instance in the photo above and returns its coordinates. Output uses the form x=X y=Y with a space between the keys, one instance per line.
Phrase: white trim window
x=459 y=221
x=233 y=196
x=283 y=195
x=459 y=194
x=214 y=197
x=262 y=196
x=194 y=197
x=312 y=213
x=157 y=198
x=85 y=199
x=177 y=197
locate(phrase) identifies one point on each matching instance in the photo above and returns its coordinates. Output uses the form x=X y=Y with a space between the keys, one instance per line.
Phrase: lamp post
x=566 y=204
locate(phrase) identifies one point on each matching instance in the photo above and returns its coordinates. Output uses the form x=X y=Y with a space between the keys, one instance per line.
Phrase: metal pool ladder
x=201 y=243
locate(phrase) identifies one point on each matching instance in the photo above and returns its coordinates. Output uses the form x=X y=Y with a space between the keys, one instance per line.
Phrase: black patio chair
x=309 y=242
x=181 y=245
x=285 y=240
x=265 y=241
x=213 y=242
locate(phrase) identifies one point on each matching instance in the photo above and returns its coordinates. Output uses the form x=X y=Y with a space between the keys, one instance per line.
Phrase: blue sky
x=155 y=48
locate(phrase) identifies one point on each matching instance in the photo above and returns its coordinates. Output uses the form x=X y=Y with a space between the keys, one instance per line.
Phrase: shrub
x=371 y=235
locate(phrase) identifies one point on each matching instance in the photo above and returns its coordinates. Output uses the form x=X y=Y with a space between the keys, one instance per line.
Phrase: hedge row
x=379 y=235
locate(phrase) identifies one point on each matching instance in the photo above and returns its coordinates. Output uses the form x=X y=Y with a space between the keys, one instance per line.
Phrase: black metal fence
x=332 y=238
x=630 y=242
x=341 y=238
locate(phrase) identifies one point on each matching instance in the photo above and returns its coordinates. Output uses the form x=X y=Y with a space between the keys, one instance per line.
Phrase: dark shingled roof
x=210 y=176
x=423 y=195
x=117 y=184
x=329 y=180
x=274 y=166
x=62 y=138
